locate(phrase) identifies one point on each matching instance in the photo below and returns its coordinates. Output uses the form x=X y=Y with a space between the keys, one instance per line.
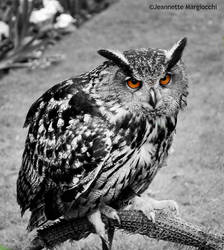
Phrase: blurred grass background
x=195 y=172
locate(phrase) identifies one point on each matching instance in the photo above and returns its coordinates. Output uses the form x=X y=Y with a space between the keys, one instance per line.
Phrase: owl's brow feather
x=110 y=91
x=115 y=90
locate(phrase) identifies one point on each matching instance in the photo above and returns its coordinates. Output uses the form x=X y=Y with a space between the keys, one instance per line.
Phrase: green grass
x=3 y=248
x=194 y=176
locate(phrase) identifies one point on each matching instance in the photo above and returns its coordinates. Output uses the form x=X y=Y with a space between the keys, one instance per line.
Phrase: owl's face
x=147 y=81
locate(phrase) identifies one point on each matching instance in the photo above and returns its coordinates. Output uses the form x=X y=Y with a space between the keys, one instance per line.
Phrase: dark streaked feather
x=176 y=56
x=123 y=64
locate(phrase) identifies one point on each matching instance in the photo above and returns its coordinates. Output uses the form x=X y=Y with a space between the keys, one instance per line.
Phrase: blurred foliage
x=27 y=40
x=70 y=6
x=9 y=8
x=19 y=23
x=84 y=9
x=19 y=47
x=75 y=6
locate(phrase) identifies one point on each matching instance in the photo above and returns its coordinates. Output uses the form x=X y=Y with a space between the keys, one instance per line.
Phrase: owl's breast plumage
x=145 y=152
x=139 y=149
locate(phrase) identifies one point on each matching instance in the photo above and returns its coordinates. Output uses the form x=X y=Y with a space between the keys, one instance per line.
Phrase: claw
x=110 y=213
x=117 y=218
x=96 y=220
x=105 y=244
x=106 y=235
x=173 y=206
x=152 y=216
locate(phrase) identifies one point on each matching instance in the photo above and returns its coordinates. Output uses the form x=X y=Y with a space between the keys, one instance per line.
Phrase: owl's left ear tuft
x=118 y=58
x=174 y=54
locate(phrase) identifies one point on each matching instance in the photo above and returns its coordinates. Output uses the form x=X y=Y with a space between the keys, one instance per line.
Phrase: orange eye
x=134 y=84
x=165 y=80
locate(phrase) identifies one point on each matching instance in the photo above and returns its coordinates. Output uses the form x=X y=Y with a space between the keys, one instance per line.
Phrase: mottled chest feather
x=137 y=129
x=138 y=142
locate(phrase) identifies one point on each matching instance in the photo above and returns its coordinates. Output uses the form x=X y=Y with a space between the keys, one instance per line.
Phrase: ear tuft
x=175 y=53
x=117 y=57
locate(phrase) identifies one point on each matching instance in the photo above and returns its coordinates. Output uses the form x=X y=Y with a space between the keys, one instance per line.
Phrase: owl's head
x=150 y=81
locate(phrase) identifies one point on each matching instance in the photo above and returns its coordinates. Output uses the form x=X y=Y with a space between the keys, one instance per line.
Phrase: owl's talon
x=152 y=216
x=117 y=218
x=105 y=243
x=96 y=220
x=110 y=213
x=173 y=206
x=106 y=235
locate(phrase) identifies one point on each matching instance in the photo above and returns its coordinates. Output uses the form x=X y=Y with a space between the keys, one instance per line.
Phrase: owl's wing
x=67 y=143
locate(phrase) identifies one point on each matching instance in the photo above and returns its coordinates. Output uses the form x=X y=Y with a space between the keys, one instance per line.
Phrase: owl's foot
x=166 y=204
x=106 y=235
x=149 y=205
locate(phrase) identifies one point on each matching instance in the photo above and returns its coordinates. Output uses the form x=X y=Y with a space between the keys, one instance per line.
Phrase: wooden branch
x=167 y=227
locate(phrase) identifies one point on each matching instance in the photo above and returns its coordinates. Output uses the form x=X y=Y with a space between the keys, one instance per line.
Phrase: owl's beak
x=152 y=98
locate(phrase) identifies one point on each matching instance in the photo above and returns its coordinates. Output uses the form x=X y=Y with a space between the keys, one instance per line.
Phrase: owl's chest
x=150 y=156
x=144 y=144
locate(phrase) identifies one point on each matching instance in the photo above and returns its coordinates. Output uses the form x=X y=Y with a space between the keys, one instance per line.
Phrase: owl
x=96 y=141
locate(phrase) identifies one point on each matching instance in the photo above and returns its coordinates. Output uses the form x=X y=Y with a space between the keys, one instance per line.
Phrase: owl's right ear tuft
x=174 y=54
x=118 y=58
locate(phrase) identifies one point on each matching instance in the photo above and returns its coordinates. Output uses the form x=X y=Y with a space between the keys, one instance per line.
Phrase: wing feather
x=67 y=143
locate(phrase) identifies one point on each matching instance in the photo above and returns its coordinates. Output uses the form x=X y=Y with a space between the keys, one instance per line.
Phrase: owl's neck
x=137 y=128
x=125 y=118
